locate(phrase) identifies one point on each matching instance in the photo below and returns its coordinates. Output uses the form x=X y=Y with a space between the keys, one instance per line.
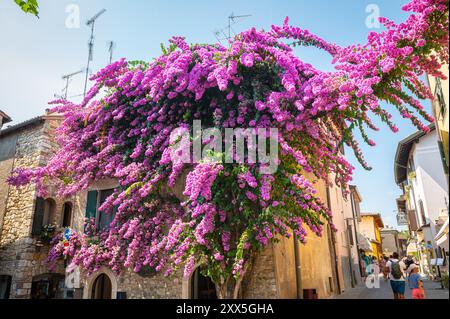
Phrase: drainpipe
x=350 y=256
x=298 y=270
x=333 y=244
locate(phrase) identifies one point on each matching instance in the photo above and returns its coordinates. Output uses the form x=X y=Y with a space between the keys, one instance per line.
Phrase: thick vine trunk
x=230 y=289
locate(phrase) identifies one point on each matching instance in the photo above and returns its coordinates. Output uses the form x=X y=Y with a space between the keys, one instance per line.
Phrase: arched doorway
x=49 y=212
x=47 y=286
x=102 y=287
x=202 y=287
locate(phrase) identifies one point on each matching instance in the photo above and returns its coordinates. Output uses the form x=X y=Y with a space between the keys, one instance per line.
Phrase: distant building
x=360 y=242
x=440 y=89
x=23 y=251
x=390 y=238
x=4 y=118
x=370 y=226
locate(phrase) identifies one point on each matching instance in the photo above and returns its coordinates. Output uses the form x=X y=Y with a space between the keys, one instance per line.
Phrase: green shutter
x=91 y=204
x=38 y=217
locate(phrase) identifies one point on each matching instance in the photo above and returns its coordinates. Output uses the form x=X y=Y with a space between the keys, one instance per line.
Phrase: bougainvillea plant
x=227 y=212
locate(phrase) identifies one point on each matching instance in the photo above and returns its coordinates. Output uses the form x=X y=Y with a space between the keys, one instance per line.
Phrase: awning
x=441 y=238
x=411 y=249
x=364 y=243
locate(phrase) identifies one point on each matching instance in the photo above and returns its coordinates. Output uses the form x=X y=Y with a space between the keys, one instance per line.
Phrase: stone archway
x=67 y=212
x=197 y=286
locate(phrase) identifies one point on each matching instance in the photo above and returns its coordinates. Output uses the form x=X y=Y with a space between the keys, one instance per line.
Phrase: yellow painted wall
x=316 y=258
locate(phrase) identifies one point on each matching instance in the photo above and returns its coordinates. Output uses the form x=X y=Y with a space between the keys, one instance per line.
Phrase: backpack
x=396 y=272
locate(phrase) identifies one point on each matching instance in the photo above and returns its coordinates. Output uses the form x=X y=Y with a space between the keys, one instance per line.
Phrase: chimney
x=4 y=118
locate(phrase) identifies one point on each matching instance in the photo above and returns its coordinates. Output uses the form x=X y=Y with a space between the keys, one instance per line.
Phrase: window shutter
x=38 y=217
x=443 y=158
x=91 y=204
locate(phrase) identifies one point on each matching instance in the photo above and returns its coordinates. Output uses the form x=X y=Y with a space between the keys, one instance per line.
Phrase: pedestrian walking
x=383 y=268
x=397 y=270
x=415 y=282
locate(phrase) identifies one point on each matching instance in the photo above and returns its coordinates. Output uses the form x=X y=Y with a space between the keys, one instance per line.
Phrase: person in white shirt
x=397 y=276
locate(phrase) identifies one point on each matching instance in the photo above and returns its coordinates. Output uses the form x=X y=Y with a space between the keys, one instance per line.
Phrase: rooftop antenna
x=67 y=78
x=226 y=32
x=111 y=46
x=91 y=23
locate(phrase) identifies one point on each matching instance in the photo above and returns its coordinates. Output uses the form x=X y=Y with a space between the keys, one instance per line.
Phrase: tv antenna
x=226 y=32
x=68 y=78
x=111 y=46
x=91 y=23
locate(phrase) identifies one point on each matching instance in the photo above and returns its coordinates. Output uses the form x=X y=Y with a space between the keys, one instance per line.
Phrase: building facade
x=287 y=269
x=324 y=267
x=370 y=226
x=391 y=242
x=440 y=105
x=420 y=174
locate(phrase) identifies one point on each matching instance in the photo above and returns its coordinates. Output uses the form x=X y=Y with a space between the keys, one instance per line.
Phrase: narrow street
x=433 y=290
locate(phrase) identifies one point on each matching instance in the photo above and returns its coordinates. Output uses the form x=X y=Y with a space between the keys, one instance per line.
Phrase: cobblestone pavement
x=433 y=290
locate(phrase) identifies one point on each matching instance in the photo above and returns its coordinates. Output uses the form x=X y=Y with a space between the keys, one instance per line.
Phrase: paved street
x=433 y=291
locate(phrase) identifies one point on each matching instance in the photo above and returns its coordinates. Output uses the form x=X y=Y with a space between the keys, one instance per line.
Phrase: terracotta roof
x=5 y=117
x=376 y=216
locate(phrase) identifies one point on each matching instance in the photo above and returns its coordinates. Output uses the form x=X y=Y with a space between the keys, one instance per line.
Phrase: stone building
x=392 y=242
x=370 y=226
x=23 y=272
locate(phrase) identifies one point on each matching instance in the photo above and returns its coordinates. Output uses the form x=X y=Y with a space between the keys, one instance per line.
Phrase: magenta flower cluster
x=227 y=211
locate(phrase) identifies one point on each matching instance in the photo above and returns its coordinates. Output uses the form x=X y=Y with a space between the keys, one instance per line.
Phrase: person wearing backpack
x=397 y=276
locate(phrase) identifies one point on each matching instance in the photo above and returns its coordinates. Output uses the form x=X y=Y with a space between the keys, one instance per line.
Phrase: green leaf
x=28 y=6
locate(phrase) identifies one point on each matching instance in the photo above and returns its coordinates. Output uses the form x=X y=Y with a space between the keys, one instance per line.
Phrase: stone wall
x=7 y=152
x=261 y=282
x=20 y=257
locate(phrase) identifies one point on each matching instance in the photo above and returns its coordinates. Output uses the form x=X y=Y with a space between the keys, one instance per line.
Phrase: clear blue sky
x=35 y=53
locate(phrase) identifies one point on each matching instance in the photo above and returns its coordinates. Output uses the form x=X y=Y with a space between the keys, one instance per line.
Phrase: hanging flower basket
x=47 y=233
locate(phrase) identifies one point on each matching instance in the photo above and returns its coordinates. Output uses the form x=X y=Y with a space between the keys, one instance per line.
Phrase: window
x=105 y=219
x=44 y=212
x=94 y=200
x=443 y=157
x=102 y=287
x=422 y=212
x=67 y=215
